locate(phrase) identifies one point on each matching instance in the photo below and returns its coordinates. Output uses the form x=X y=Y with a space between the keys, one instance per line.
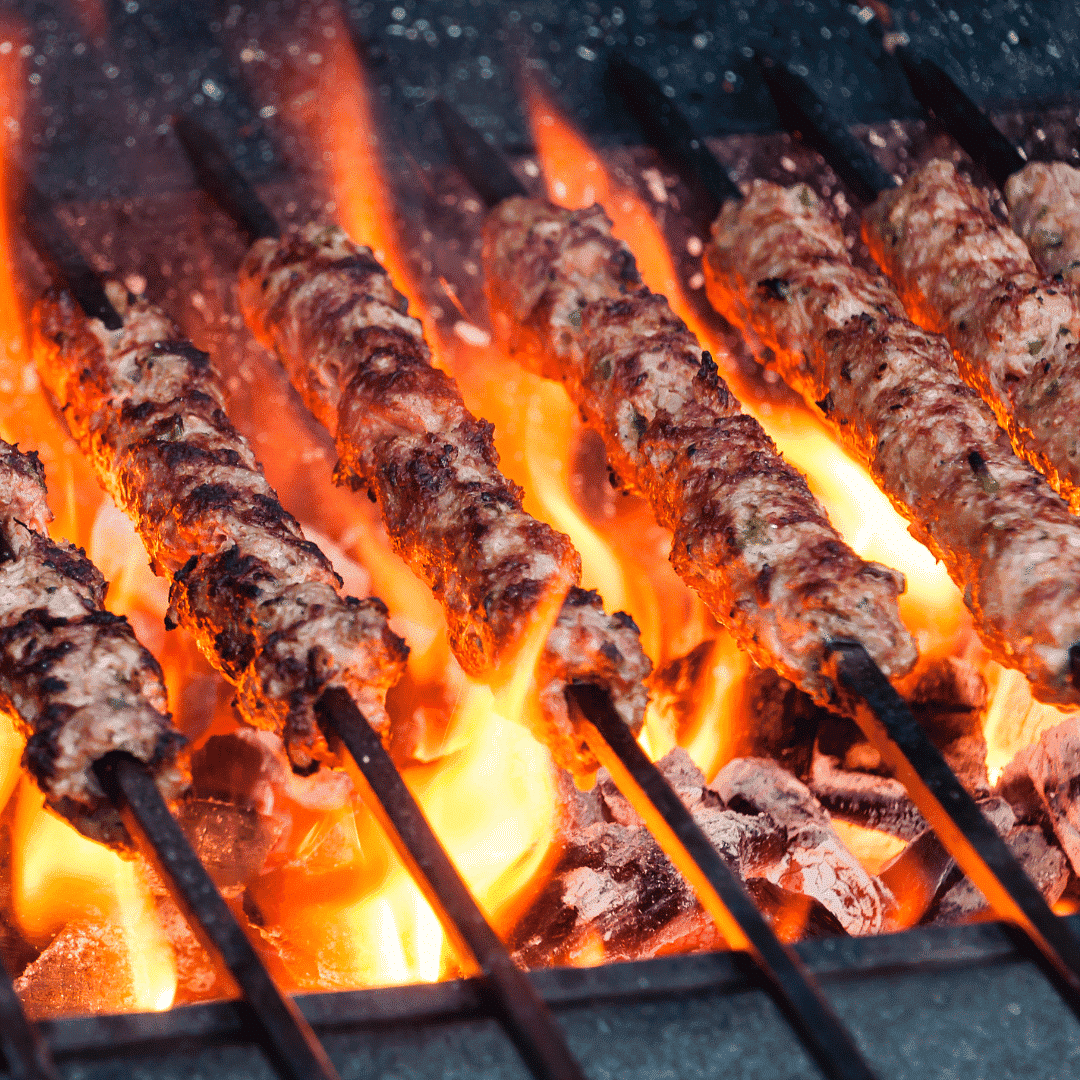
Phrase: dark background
x=105 y=75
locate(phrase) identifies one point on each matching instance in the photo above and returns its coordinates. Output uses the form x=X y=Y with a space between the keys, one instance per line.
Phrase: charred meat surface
x=148 y=410
x=962 y=273
x=778 y=266
x=1044 y=210
x=72 y=675
x=748 y=535
x=331 y=314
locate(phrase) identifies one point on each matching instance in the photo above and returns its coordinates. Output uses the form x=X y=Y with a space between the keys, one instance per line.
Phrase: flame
x=383 y=931
x=59 y=876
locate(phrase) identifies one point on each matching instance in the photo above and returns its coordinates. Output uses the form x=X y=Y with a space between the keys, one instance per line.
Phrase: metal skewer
x=528 y=1020
x=935 y=90
x=25 y=1053
x=881 y=713
x=289 y=1038
x=641 y=782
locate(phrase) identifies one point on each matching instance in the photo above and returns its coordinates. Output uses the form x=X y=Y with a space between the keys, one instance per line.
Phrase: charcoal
x=1044 y=864
x=615 y=894
x=781 y=721
x=232 y=842
x=673 y=690
x=815 y=862
x=1052 y=766
x=793 y=916
x=68 y=978
x=920 y=874
x=241 y=769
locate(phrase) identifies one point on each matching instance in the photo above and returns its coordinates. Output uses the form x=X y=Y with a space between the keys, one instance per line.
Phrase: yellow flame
x=60 y=876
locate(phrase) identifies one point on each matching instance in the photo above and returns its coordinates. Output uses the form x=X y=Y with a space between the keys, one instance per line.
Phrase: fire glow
x=336 y=908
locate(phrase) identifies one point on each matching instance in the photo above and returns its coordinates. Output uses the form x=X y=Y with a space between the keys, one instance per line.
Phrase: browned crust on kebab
x=778 y=267
x=962 y=273
x=748 y=535
x=1044 y=211
x=148 y=410
x=72 y=675
x=331 y=314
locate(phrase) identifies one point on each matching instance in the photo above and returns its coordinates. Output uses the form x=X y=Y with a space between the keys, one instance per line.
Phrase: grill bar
x=288 y=1036
x=25 y=1052
x=719 y=890
x=526 y=1017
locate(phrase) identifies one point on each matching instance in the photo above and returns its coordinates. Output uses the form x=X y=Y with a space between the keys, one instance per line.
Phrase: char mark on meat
x=73 y=677
x=748 y=535
x=896 y=399
x=331 y=314
x=262 y=602
x=1016 y=334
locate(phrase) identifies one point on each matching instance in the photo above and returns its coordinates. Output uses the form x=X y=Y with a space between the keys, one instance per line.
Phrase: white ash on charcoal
x=1043 y=783
x=66 y=978
x=961 y=901
x=814 y=862
x=615 y=893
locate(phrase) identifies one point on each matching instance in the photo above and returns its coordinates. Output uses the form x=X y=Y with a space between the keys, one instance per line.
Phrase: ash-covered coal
x=615 y=895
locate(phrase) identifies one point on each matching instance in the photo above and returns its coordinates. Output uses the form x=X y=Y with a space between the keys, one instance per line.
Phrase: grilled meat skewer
x=962 y=273
x=331 y=314
x=148 y=410
x=72 y=675
x=1044 y=211
x=778 y=266
x=748 y=535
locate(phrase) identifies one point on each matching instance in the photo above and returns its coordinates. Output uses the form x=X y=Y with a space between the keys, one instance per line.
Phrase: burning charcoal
x=1052 y=765
x=847 y=777
x=1044 y=864
x=781 y=722
x=614 y=894
x=948 y=698
x=673 y=690
x=815 y=862
x=232 y=842
x=794 y=916
x=67 y=978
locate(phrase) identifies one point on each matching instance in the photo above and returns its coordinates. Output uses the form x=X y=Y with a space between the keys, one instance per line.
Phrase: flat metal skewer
x=25 y=1052
x=523 y=1012
x=287 y=1035
x=936 y=91
x=881 y=713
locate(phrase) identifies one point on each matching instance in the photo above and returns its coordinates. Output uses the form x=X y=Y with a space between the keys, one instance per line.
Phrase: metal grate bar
x=25 y=1052
x=288 y=1036
x=526 y=1017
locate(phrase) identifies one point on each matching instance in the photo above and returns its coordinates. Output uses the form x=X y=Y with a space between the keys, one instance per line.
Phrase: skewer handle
x=25 y=1052
x=530 y=1024
x=288 y=1036
x=719 y=890
x=223 y=182
x=935 y=91
x=802 y=110
x=972 y=841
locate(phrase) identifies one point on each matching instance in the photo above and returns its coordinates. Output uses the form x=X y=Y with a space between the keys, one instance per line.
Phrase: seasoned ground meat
x=748 y=535
x=148 y=410
x=778 y=266
x=1016 y=335
x=403 y=433
x=72 y=676
x=1044 y=209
